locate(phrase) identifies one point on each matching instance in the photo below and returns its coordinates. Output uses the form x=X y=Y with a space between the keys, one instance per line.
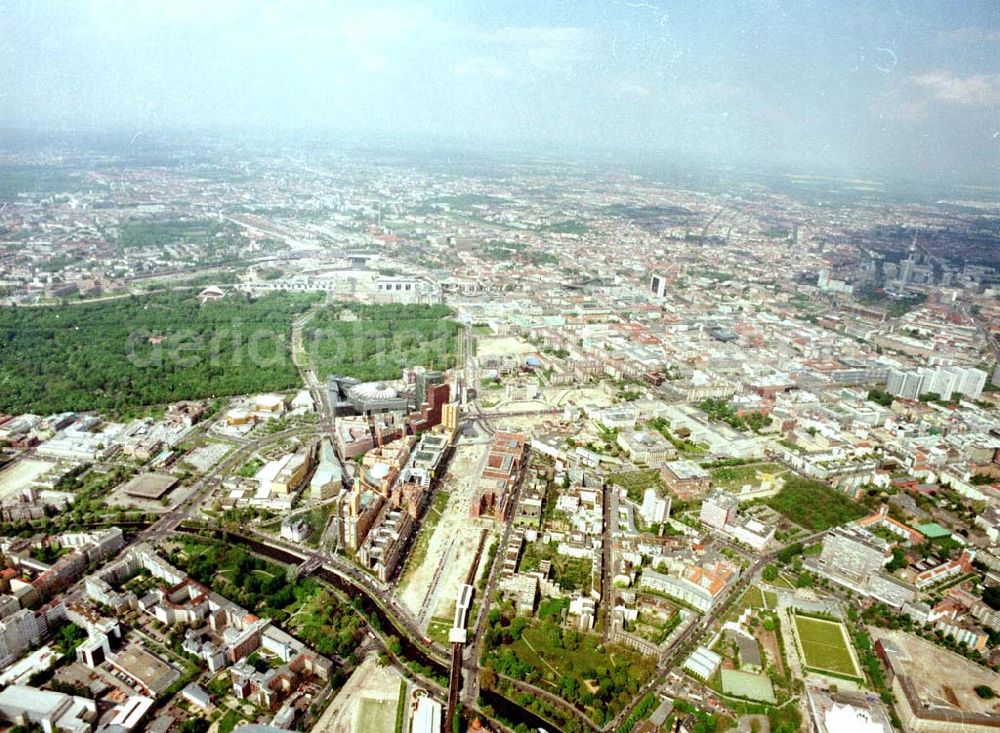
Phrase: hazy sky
x=853 y=86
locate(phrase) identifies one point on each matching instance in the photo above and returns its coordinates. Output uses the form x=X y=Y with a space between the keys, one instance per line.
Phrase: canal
x=504 y=708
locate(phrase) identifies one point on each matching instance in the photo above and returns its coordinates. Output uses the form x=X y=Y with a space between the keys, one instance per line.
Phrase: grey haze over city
x=854 y=88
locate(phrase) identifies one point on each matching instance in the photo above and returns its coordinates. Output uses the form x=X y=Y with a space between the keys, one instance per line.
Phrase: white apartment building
x=719 y=509
x=944 y=381
x=654 y=508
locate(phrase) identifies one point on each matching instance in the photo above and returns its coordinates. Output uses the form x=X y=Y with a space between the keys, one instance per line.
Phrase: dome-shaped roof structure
x=374 y=391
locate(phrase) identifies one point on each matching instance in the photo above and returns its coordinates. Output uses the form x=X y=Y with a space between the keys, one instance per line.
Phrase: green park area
x=895 y=307
x=814 y=505
x=723 y=411
x=229 y=721
x=371 y=342
x=161 y=232
x=36 y=179
x=569 y=573
x=120 y=354
x=145 y=350
x=316 y=517
x=686 y=448
x=89 y=486
x=635 y=484
x=825 y=647
x=655 y=625
x=303 y=608
x=753 y=599
x=598 y=679
x=735 y=477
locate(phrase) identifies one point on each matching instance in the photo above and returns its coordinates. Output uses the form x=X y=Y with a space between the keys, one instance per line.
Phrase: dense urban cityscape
x=537 y=423
x=315 y=443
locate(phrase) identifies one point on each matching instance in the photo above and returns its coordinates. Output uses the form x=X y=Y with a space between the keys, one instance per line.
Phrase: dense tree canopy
x=814 y=505
x=991 y=596
x=153 y=349
x=145 y=350
x=373 y=342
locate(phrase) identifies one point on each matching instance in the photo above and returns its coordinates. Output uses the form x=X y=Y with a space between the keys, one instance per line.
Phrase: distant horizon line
x=489 y=148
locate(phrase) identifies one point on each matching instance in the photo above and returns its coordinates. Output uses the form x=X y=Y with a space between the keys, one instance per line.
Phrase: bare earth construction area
x=431 y=587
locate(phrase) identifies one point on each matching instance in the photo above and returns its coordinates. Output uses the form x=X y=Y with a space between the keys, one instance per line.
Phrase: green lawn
x=158 y=233
x=783 y=581
x=753 y=598
x=825 y=646
x=229 y=721
x=536 y=648
x=317 y=518
x=401 y=706
x=438 y=629
x=376 y=716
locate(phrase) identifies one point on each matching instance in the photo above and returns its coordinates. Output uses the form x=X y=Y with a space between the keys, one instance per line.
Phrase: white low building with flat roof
x=702 y=663
x=427 y=718
x=53 y=711
x=850 y=719
x=131 y=713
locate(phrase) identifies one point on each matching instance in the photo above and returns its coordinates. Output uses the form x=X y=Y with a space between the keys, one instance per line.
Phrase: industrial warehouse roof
x=150 y=485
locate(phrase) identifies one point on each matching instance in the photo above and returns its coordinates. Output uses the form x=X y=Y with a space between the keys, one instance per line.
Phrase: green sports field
x=375 y=716
x=825 y=646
